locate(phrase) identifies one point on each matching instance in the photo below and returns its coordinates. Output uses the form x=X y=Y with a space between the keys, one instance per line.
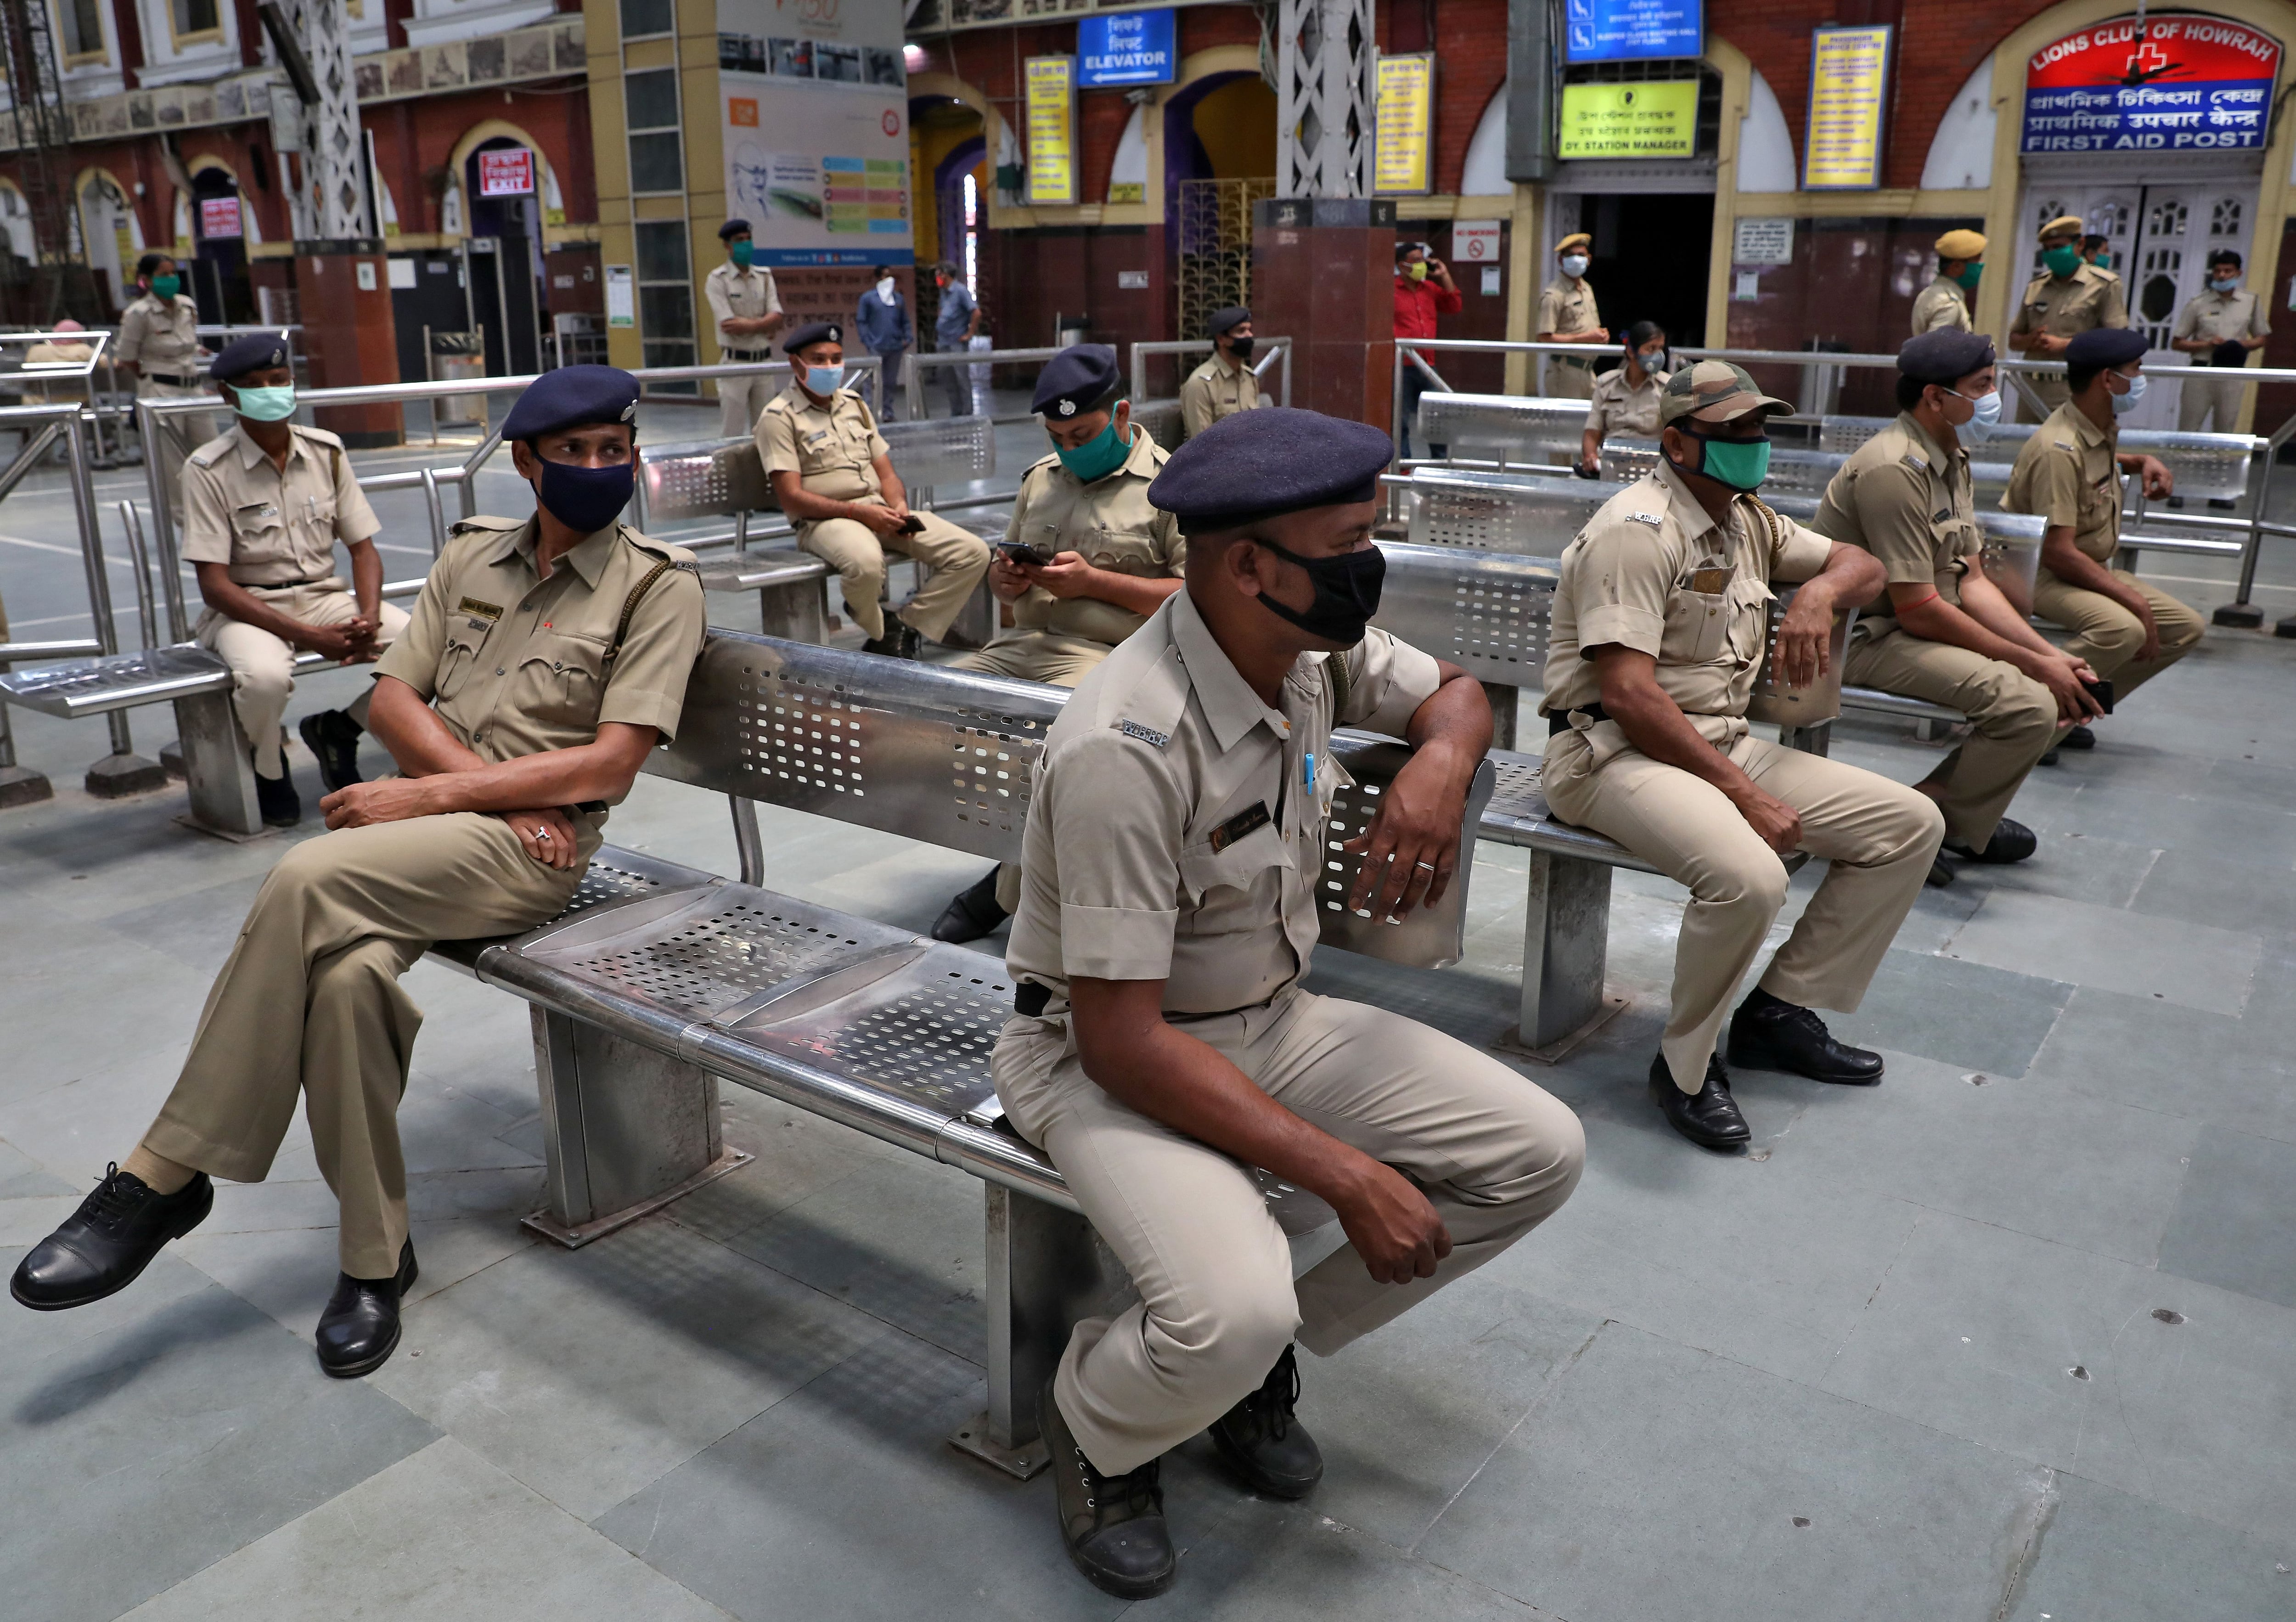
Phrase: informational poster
x=1051 y=91
x=1848 y=87
x=621 y=297
x=1657 y=119
x=219 y=217
x=2191 y=84
x=816 y=130
x=1474 y=242
x=1127 y=48
x=1632 y=31
x=1762 y=241
x=1403 y=160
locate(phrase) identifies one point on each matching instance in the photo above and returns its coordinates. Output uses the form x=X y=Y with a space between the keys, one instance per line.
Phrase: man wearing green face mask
x=2068 y=298
x=1946 y=301
x=1083 y=562
x=748 y=310
x=160 y=348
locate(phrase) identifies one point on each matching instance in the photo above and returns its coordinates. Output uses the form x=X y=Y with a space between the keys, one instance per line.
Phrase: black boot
x=359 y=1329
x=2077 y=737
x=1940 y=875
x=276 y=800
x=1112 y=1526
x=112 y=1237
x=1262 y=1440
x=900 y=640
x=973 y=913
x=1709 y=1118
x=1770 y=1034
x=332 y=737
x=2010 y=842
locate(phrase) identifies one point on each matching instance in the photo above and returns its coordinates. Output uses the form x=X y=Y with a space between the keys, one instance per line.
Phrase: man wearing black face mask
x=1163 y=1041
x=1224 y=384
x=545 y=657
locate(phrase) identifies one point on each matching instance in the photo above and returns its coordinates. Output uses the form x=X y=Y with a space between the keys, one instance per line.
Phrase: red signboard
x=219 y=217
x=506 y=172
x=2190 y=83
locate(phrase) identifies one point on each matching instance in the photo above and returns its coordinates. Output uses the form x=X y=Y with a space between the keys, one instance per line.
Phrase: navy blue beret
x=1945 y=355
x=573 y=397
x=1220 y=324
x=1258 y=463
x=2106 y=347
x=732 y=228
x=814 y=332
x=1082 y=377
x=251 y=353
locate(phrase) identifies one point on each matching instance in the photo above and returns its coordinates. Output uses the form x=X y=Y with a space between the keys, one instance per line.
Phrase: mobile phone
x=1018 y=554
x=910 y=525
x=2102 y=692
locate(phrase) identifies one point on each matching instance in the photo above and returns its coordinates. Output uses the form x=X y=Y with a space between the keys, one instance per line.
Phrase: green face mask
x=2061 y=261
x=1741 y=463
x=743 y=253
x=265 y=405
x=1098 y=456
x=1967 y=276
x=165 y=288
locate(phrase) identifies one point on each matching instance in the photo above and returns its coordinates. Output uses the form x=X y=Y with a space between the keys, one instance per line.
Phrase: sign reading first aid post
x=2190 y=83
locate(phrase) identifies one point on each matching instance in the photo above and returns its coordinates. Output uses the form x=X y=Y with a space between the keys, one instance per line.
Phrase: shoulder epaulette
x=485 y=522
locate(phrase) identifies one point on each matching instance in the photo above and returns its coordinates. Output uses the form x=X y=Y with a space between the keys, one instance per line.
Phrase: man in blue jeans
x=953 y=331
x=883 y=320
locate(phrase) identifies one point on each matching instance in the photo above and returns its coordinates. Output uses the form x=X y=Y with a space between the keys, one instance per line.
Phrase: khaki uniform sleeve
x=1800 y=554
x=648 y=685
x=2052 y=486
x=1196 y=405
x=1391 y=680
x=2024 y=322
x=2112 y=309
x=721 y=304
x=1118 y=817
x=877 y=446
x=1623 y=584
x=776 y=437
x=413 y=657
x=1550 y=312
x=134 y=328
x=2188 y=321
x=1598 y=409
x=2257 y=326
x=206 y=516
x=1892 y=502
x=1020 y=510
x=773 y=294
x=355 y=519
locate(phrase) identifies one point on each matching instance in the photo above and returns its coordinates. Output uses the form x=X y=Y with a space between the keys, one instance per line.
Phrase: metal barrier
x=920 y=358
x=1142 y=352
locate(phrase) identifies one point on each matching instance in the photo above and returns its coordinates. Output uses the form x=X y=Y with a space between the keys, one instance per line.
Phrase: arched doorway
x=502 y=187
x=1220 y=159
x=950 y=206
x=221 y=224
x=110 y=234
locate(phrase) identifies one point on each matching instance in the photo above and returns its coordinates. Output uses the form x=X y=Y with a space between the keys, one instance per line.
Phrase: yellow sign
x=1658 y=119
x=1403 y=162
x=1849 y=81
x=1051 y=83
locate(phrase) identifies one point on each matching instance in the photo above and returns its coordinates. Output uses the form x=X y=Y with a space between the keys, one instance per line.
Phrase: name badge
x=486 y=611
x=1249 y=820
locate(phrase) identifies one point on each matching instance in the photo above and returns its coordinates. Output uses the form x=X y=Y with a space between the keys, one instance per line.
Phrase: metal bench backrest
x=720 y=478
x=2208 y=467
x=1502 y=427
x=1162 y=420
x=947 y=757
x=941 y=450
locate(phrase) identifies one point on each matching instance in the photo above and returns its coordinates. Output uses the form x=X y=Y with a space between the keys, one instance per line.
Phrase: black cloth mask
x=585 y=500
x=1346 y=593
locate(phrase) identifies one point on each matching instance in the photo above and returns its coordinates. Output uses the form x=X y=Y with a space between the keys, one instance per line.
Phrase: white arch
x=1130 y=165
x=1766 y=148
x=1484 y=172
x=1960 y=152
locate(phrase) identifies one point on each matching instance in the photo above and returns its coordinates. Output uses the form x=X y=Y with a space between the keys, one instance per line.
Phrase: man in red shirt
x=1423 y=290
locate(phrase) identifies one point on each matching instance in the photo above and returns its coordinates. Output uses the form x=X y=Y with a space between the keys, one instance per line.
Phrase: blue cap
x=2106 y=347
x=573 y=397
x=251 y=353
x=814 y=332
x=1082 y=377
x=1945 y=356
x=1259 y=463
x=1226 y=321
x=732 y=228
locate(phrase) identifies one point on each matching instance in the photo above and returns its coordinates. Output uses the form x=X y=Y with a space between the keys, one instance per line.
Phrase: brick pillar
x=343 y=292
x=1323 y=269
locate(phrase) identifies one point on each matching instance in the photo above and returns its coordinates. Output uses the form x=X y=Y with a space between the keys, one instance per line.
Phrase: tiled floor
x=2012 y=1336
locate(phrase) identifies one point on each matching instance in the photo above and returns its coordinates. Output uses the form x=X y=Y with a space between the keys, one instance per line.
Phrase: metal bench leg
x=796 y=612
x=1565 y=949
x=625 y=1129
x=124 y=772
x=217 y=768
x=1816 y=739
x=20 y=785
x=1505 y=708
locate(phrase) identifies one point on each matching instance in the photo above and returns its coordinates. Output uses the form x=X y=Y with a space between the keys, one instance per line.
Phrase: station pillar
x=343 y=289
x=1323 y=270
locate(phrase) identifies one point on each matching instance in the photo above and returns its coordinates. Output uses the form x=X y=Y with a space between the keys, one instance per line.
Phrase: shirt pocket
x=1124 y=552
x=258 y=534
x=460 y=655
x=562 y=681
x=1697 y=626
x=1748 y=615
x=2097 y=500
x=1212 y=881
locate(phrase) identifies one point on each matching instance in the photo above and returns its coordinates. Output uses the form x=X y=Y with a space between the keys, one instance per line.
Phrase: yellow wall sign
x=1657 y=119
x=1849 y=85
x=1403 y=163
x=1051 y=83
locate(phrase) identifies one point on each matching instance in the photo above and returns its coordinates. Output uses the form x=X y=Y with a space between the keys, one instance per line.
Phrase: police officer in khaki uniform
x=1162 y=1042
x=2068 y=298
x=2068 y=472
x=1940 y=629
x=263 y=508
x=1626 y=398
x=544 y=658
x=832 y=476
x=2220 y=326
x=1085 y=560
x=1659 y=624
x=747 y=308
x=1567 y=314
x=1945 y=302
x=159 y=345
x=1226 y=384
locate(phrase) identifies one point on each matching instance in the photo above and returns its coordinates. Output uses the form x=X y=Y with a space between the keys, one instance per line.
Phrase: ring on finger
x=1430 y=866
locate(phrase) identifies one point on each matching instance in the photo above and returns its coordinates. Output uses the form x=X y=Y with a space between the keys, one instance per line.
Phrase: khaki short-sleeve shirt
x=1619 y=407
x=1176 y=826
x=2068 y=473
x=2220 y=317
x=1908 y=501
x=1565 y=306
x=731 y=291
x=273 y=525
x=1110 y=524
x=1940 y=306
x=161 y=336
x=1653 y=572
x=516 y=665
x=832 y=449
x=2088 y=298
x=1214 y=390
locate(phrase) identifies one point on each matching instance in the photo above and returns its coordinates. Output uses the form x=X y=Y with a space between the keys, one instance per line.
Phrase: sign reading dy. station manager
x=2191 y=84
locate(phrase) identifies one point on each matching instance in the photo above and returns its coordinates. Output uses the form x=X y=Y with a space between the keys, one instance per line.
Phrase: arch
x=1483 y=174
x=101 y=237
x=1129 y=164
x=1960 y=152
x=1765 y=148
x=997 y=134
x=209 y=164
x=453 y=209
x=16 y=220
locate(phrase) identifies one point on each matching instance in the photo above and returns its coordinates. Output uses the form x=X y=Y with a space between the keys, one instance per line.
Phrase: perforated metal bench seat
x=120 y=681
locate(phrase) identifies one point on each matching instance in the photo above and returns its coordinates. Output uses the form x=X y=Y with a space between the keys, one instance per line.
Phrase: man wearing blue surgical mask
x=264 y=508
x=1085 y=560
x=2221 y=327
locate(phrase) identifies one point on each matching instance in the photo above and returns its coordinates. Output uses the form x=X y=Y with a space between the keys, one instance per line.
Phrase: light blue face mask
x=824 y=380
x=2123 y=403
x=2223 y=284
x=1980 y=428
x=265 y=405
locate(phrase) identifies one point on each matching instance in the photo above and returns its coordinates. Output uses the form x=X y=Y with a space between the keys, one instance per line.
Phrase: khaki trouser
x=310 y=1004
x=1569 y=379
x=740 y=401
x=956 y=559
x=263 y=667
x=1878 y=837
x=2108 y=636
x=2200 y=395
x=1494 y=1154
x=179 y=437
x=2014 y=718
x=1033 y=656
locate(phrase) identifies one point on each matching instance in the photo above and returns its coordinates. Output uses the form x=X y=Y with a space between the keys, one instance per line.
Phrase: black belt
x=1029 y=999
x=1559 y=721
x=282 y=585
x=180 y=383
x=747 y=354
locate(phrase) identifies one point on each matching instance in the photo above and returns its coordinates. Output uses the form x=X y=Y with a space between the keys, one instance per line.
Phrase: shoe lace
x=1277 y=1400
x=1138 y=1492
x=115 y=1199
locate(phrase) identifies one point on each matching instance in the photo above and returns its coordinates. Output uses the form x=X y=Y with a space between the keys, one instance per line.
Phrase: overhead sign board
x=1632 y=31
x=219 y=217
x=1656 y=118
x=1126 y=48
x=1051 y=86
x=506 y=171
x=1849 y=86
x=2191 y=84
x=1403 y=160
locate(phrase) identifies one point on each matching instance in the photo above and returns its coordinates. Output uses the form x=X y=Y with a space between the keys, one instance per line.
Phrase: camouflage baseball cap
x=1713 y=391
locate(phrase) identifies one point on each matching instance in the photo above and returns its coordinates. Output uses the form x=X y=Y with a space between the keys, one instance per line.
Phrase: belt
x=179 y=382
x=1029 y=999
x=747 y=354
x=1559 y=721
x=283 y=586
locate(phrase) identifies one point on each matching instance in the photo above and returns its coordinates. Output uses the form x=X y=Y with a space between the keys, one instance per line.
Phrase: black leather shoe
x=973 y=913
x=2051 y=755
x=1709 y=1118
x=2010 y=842
x=332 y=737
x=1940 y=875
x=1262 y=1440
x=104 y=1245
x=276 y=800
x=1112 y=1526
x=2077 y=737
x=359 y=1329
x=1769 y=1032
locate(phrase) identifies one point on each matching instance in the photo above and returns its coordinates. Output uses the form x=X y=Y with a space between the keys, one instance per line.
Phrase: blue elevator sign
x=1126 y=48
x=1630 y=30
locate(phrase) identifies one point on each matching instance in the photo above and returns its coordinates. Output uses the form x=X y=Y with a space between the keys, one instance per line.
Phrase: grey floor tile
x=442 y=1535
x=2220 y=890
x=2192 y=820
x=1661 y=1481
x=796 y=1156
x=2110 y=1556
x=2196 y=965
x=2185 y=1062
x=288 y=1272
x=2069 y=866
x=2231 y=1226
x=21 y=1177
x=586 y=1374
x=1998 y=1020
x=197 y=928
x=441 y=1129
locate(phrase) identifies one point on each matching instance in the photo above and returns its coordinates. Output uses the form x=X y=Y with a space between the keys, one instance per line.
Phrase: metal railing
x=1278 y=347
x=919 y=359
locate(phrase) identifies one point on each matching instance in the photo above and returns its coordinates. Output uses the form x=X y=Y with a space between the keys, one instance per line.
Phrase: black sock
x=1759 y=999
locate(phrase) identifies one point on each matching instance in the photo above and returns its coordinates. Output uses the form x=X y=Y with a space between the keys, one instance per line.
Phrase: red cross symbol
x=2150 y=57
